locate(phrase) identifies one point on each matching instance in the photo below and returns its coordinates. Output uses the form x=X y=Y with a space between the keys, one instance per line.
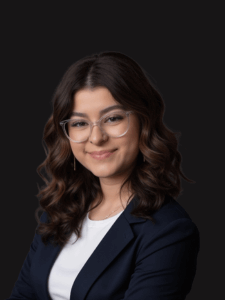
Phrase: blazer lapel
x=118 y=236
x=41 y=267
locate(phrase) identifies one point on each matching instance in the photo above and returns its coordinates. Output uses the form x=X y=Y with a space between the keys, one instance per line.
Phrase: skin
x=113 y=170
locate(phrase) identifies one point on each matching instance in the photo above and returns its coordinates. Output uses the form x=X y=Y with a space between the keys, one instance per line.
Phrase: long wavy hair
x=67 y=194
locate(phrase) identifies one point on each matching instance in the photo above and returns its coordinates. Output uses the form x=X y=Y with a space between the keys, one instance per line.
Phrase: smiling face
x=119 y=164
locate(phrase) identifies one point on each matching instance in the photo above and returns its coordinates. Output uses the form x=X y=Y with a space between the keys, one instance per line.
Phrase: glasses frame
x=97 y=123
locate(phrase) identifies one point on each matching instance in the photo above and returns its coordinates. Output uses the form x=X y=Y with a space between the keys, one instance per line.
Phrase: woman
x=111 y=227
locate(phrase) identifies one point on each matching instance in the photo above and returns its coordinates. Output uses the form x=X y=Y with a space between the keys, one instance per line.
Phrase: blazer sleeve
x=166 y=263
x=23 y=289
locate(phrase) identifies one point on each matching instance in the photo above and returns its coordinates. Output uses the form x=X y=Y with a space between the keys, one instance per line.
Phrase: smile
x=103 y=156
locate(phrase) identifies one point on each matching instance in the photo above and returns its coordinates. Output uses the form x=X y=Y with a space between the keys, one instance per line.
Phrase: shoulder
x=173 y=234
x=170 y=220
x=170 y=211
x=44 y=217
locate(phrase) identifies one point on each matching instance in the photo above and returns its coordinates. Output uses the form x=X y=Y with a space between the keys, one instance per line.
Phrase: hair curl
x=67 y=194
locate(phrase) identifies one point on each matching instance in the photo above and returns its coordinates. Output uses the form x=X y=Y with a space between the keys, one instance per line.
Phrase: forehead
x=94 y=97
x=96 y=101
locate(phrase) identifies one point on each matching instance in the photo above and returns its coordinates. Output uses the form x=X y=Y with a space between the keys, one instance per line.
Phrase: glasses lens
x=114 y=125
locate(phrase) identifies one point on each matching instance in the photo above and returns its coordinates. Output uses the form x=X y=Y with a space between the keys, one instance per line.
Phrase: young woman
x=111 y=228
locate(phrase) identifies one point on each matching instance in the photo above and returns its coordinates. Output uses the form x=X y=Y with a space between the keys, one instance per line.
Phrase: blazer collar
x=116 y=239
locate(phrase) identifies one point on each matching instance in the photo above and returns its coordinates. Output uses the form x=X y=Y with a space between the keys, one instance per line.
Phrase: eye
x=77 y=124
x=114 y=118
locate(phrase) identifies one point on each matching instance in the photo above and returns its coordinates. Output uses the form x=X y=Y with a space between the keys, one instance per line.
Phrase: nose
x=96 y=134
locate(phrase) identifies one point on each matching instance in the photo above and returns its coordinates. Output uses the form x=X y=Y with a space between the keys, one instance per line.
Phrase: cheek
x=77 y=150
x=132 y=144
x=133 y=139
x=73 y=148
x=130 y=148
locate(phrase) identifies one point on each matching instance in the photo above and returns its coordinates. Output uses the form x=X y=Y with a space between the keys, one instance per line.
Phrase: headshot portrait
x=109 y=223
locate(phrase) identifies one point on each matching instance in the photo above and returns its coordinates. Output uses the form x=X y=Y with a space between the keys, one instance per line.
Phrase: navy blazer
x=135 y=260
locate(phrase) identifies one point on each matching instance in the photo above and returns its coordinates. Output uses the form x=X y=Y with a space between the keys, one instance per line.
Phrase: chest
x=98 y=214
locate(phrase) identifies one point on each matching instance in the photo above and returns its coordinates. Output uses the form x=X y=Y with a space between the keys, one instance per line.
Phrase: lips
x=101 y=152
x=102 y=156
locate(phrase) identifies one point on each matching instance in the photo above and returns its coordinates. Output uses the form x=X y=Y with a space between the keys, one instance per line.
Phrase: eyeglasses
x=114 y=124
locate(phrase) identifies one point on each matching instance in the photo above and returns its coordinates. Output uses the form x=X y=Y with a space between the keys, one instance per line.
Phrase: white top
x=72 y=258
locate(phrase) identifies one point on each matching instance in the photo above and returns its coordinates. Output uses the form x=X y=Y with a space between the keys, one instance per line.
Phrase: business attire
x=125 y=258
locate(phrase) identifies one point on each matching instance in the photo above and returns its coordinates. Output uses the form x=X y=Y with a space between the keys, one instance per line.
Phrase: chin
x=102 y=172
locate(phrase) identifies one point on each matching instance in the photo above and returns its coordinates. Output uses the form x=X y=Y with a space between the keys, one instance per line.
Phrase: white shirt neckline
x=101 y=223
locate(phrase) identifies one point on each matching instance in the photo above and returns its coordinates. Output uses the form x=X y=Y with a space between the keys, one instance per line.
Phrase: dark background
x=179 y=44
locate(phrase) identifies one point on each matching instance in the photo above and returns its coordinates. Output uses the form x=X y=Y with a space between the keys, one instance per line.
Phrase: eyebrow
x=103 y=111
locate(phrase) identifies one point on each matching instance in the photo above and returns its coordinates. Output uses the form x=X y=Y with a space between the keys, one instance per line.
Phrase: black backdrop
x=178 y=44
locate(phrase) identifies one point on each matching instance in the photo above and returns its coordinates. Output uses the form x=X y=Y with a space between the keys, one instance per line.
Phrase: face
x=120 y=163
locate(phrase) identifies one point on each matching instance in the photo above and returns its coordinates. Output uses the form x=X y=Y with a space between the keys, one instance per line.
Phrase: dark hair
x=67 y=195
